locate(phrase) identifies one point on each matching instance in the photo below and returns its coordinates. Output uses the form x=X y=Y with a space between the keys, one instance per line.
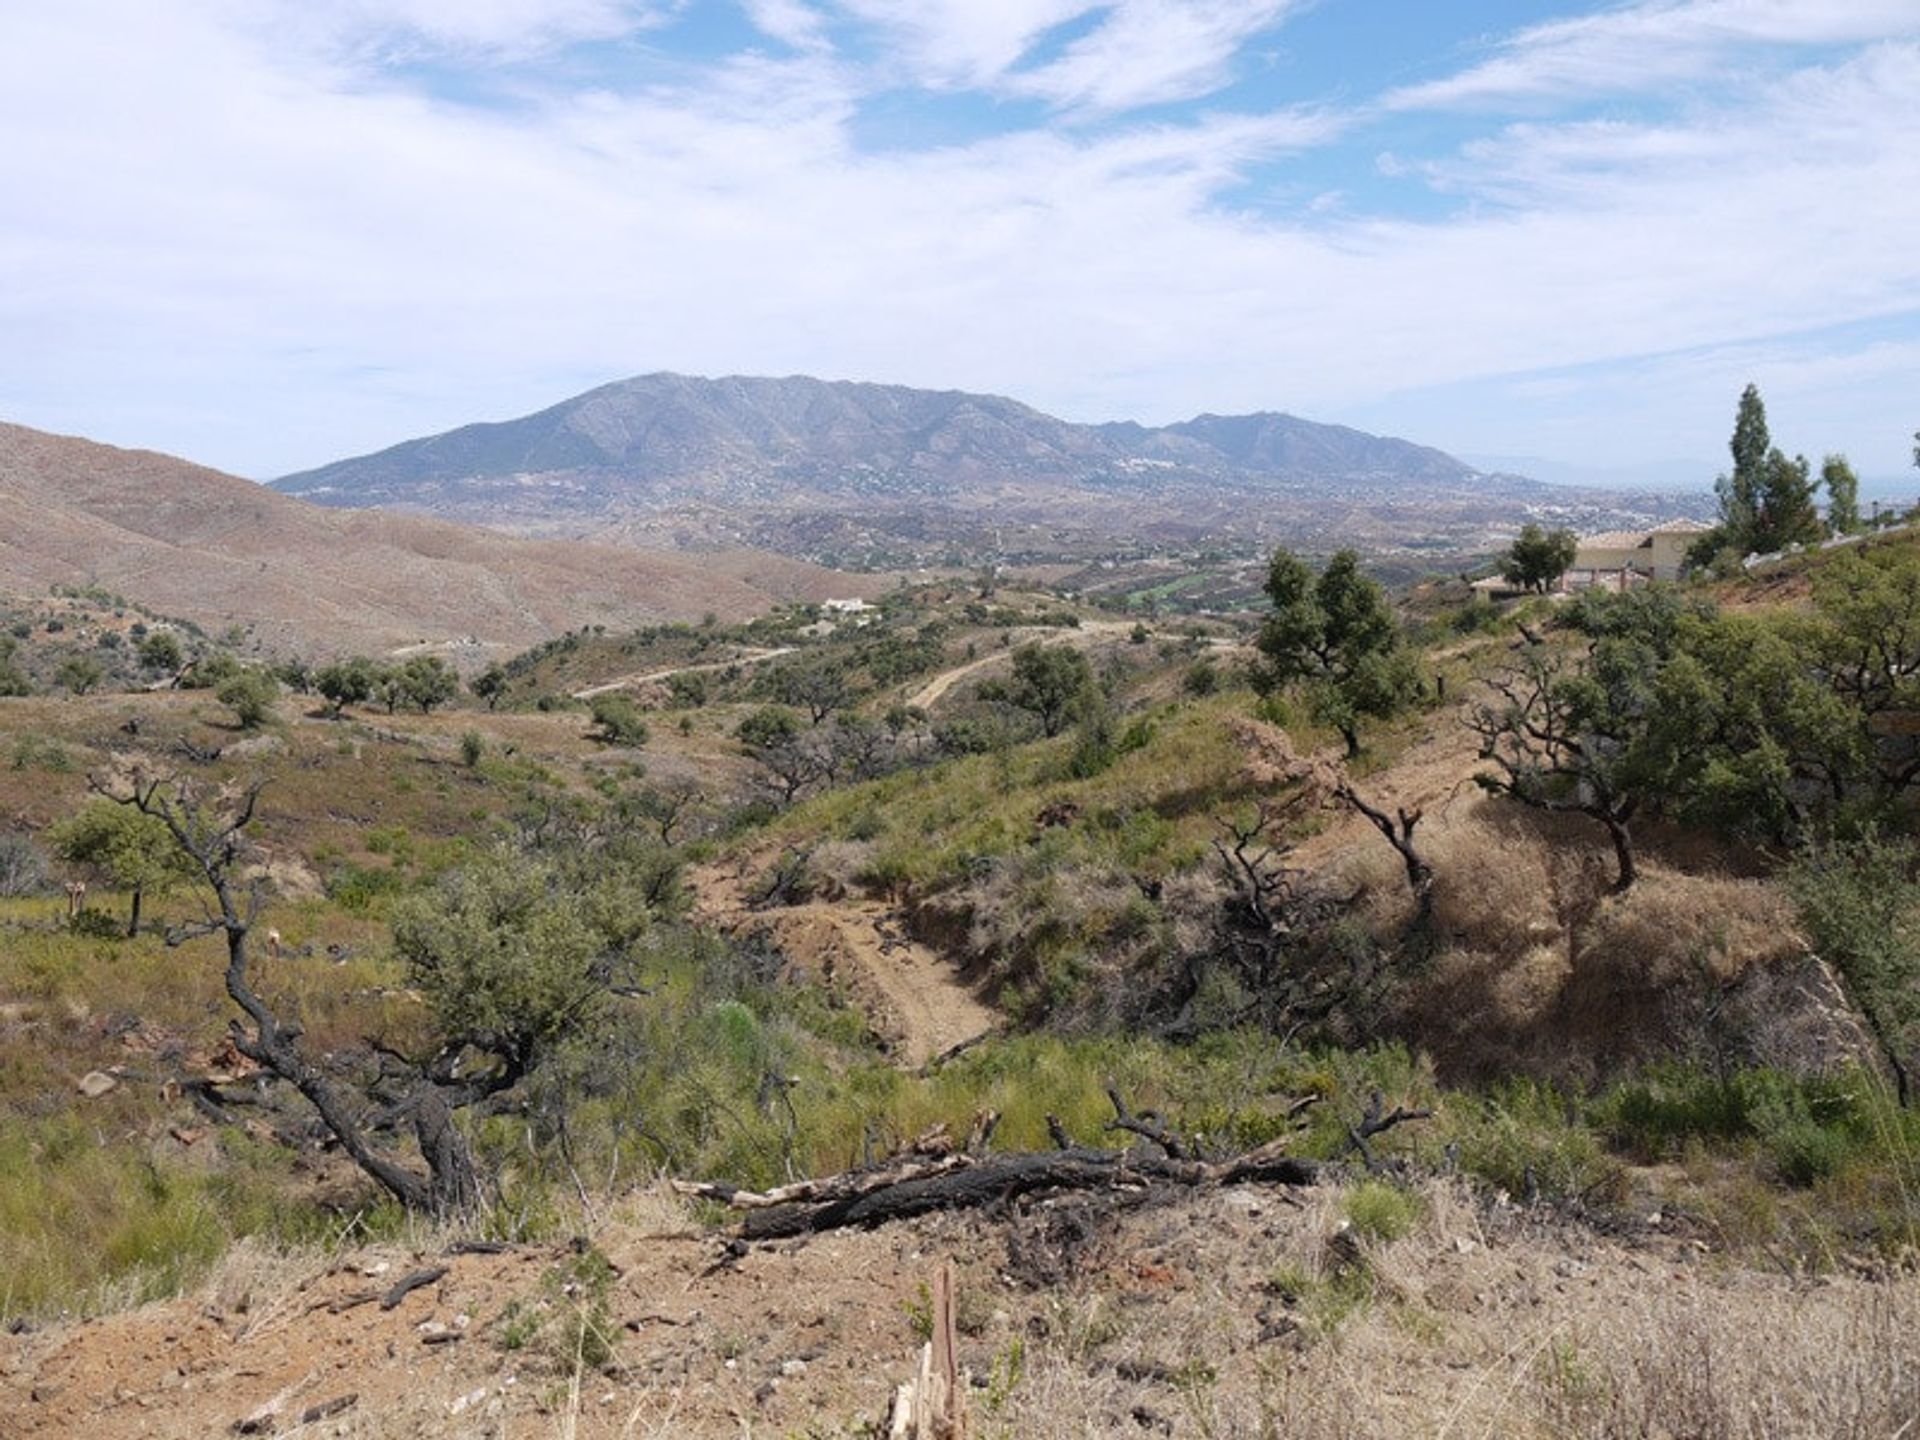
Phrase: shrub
x=618 y=720
x=1202 y=677
x=1859 y=901
x=250 y=695
x=1378 y=1210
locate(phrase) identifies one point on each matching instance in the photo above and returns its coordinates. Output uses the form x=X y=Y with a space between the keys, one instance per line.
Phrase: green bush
x=618 y=720
x=1378 y=1210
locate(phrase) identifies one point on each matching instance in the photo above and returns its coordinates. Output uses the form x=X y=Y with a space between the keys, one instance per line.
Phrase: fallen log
x=407 y=1284
x=909 y=1185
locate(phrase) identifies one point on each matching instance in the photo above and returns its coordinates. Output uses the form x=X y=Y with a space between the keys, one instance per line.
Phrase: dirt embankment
x=915 y=999
x=1252 y=1311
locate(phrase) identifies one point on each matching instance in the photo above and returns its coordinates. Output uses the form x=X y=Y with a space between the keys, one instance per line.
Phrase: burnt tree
x=214 y=839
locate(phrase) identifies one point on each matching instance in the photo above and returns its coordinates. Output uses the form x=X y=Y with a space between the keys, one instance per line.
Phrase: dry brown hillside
x=1254 y=1312
x=213 y=548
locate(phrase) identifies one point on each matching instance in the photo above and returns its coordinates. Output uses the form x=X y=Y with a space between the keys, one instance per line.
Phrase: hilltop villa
x=1619 y=559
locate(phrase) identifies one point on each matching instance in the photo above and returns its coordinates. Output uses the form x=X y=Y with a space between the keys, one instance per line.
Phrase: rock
x=260 y=1422
x=96 y=1083
x=1463 y=1246
x=793 y=1367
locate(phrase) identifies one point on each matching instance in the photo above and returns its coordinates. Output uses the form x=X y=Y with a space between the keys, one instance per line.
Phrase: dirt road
x=1086 y=635
x=642 y=677
x=914 y=998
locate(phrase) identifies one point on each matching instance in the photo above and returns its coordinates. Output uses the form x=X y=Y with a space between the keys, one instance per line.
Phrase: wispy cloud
x=258 y=244
x=1150 y=52
x=966 y=43
x=472 y=30
x=1132 y=53
x=1646 y=46
x=791 y=22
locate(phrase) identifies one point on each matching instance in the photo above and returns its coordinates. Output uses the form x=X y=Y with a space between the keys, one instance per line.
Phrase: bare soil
x=917 y=1002
x=1251 y=1311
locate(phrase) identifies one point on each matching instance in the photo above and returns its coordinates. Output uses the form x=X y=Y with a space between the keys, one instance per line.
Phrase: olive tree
x=1052 y=683
x=1558 y=739
x=132 y=851
x=347 y=682
x=1335 y=632
x=250 y=695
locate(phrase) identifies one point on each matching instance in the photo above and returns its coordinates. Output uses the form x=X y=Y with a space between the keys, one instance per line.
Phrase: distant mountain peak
x=667 y=430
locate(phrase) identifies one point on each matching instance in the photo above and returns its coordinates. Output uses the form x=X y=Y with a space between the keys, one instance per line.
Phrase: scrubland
x=1661 y=1123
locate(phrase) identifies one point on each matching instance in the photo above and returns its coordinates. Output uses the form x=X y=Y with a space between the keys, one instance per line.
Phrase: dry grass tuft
x=1673 y=929
x=1493 y=891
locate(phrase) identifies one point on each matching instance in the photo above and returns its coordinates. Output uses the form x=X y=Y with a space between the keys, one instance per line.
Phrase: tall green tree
x=1843 y=495
x=1766 y=502
x=1787 y=514
x=1539 y=558
x=1334 y=632
x=1739 y=491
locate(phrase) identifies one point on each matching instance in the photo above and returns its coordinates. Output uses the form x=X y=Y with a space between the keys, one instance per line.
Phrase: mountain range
x=849 y=473
x=667 y=433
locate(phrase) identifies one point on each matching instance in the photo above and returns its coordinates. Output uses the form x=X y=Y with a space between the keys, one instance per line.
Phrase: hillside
x=882 y=474
x=220 y=551
x=826 y=946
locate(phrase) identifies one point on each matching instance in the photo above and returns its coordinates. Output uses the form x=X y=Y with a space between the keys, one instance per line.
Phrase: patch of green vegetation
x=1379 y=1210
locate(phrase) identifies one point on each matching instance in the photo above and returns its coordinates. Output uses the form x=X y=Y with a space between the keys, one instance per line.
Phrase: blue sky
x=269 y=233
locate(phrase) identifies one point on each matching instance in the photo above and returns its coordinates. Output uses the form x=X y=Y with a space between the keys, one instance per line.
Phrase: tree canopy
x=1766 y=501
x=131 y=850
x=1052 y=683
x=1539 y=558
x=1843 y=495
x=1334 y=632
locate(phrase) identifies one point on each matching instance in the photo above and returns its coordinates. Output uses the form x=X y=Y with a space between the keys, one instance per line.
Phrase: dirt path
x=641 y=677
x=1086 y=635
x=914 y=998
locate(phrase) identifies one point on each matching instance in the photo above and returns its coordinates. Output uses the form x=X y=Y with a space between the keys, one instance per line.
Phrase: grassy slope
x=379 y=801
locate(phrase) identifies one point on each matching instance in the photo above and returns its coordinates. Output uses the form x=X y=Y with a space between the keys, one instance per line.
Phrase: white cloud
x=791 y=22
x=1646 y=46
x=948 y=43
x=385 y=31
x=223 y=241
x=1135 y=53
x=1149 y=52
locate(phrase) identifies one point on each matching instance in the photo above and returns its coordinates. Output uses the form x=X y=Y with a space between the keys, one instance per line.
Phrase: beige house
x=1619 y=559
